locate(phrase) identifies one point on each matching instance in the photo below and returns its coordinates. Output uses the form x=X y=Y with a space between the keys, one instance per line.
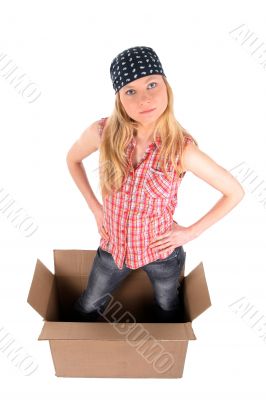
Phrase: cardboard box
x=124 y=342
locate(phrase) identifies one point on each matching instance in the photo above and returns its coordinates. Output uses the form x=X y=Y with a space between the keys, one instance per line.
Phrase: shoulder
x=88 y=142
x=189 y=140
x=101 y=125
x=196 y=160
x=190 y=152
x=97 y=129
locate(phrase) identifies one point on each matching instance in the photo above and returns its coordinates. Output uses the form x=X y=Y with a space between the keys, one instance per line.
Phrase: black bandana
x=132 y=64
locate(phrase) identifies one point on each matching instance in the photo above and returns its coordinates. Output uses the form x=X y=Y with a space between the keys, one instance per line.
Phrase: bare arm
x=87 y=143
x=204 y=167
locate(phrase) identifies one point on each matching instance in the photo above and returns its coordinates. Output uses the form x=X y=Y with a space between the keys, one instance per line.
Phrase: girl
x=144 y=154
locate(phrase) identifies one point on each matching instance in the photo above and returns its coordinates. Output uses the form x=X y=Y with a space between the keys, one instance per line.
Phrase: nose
x=144 y=98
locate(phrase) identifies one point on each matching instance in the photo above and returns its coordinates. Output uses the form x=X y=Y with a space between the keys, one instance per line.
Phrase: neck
x=144 y=138
x=145 y=132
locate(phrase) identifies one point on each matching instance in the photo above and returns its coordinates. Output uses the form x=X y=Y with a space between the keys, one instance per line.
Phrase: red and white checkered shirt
x=141 y=210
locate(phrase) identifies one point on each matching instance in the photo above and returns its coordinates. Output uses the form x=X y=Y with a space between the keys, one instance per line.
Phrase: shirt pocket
x=157 y=184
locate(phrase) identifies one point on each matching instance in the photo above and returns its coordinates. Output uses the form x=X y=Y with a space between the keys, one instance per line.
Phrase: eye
x=152 y=83
x=130 y=90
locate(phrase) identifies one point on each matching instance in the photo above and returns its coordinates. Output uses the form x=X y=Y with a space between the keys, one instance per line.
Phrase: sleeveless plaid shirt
x=141 y=210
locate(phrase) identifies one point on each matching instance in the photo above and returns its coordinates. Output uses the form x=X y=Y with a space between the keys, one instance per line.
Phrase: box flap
x=73 y=262
x=42 y=294
x=196 y=293
x=116 y=331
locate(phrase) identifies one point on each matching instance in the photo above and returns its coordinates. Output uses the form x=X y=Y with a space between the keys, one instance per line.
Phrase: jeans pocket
x=181 y=257
x=171 y=256
x=106 y=260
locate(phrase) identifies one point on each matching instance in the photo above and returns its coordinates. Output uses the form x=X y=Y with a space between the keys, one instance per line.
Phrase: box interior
x=52 y=295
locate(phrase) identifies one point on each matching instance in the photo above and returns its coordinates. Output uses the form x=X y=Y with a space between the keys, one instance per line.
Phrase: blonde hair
x=113 y=161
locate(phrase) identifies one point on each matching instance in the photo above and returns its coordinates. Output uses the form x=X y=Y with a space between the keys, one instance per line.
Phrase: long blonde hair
x=118 y=133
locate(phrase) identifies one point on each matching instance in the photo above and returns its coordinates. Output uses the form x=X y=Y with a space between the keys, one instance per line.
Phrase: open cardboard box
x=124 y=342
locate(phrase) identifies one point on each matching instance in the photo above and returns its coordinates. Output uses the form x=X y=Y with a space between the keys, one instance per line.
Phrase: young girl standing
x=144 y=154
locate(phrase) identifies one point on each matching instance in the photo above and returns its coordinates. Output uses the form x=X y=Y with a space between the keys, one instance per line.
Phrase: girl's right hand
x=99 y=220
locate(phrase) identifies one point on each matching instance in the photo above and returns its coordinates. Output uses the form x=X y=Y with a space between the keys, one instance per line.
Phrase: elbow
x=235 y=192
x=69 y=159
x=237 y=195
x=240 y=196
x=240 y=192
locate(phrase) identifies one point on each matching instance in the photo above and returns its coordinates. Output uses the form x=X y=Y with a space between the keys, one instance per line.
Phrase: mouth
x=147 y=111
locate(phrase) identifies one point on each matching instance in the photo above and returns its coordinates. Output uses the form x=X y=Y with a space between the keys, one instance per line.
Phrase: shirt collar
x=157 y=141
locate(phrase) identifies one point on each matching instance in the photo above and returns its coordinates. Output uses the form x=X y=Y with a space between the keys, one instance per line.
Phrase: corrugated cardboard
x=124 y=342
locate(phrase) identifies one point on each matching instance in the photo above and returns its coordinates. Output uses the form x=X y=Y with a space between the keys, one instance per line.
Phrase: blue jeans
x=105 y=277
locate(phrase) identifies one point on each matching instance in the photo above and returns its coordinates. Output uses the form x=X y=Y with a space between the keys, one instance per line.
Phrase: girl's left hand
x=176 y=237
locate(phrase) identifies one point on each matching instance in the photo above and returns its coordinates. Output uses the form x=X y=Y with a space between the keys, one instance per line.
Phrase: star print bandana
x=132 y=64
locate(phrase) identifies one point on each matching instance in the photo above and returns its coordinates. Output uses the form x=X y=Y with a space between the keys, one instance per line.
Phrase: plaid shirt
x=141 y=210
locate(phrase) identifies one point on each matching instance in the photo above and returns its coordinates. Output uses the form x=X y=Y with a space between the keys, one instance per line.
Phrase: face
x=144 y=94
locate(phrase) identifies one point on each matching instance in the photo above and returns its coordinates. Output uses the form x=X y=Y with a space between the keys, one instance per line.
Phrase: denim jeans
x=105 y=277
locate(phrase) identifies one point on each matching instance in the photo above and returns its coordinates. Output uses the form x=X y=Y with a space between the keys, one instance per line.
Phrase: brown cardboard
x=124 y=342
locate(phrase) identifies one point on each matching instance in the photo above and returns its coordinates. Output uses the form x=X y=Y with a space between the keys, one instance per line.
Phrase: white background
x=66 y=48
